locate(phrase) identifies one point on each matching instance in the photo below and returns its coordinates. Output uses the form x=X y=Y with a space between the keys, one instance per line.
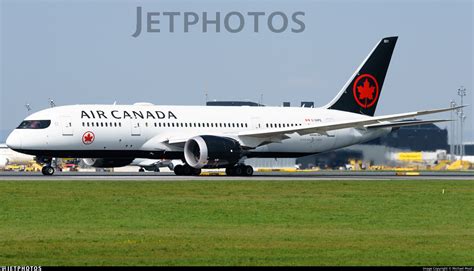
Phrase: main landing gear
x=239 y=170
x=186 y=170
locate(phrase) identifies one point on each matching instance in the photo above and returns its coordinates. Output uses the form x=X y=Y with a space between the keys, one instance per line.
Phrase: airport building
x=417 y=138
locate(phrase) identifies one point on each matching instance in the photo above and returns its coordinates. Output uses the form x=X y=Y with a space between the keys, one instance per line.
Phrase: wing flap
x=403 y=123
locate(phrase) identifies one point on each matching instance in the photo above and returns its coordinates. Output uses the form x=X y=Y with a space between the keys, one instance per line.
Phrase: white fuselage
x=149 y=131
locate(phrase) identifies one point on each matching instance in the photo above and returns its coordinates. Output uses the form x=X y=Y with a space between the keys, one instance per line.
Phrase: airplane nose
x=14 y=140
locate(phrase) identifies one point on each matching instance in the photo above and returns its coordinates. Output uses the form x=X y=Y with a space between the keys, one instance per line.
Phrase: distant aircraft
x=215 y=136
x=11 y=157
x=142 y=163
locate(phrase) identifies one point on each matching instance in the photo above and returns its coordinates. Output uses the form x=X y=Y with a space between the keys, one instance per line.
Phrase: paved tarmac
x=259 y=176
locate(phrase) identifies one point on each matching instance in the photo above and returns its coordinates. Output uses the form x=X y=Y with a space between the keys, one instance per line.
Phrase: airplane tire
x=179 y=170
x=248 y=170
x=196 y=172
x=47 y=170
x=141 y=170
x=238 y=171
x=187 y=170
x=229 y=171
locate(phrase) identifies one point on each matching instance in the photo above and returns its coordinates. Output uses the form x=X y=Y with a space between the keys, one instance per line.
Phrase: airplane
x=154 y=165
x=215 y=136
x=10 y=157
x=143 y=164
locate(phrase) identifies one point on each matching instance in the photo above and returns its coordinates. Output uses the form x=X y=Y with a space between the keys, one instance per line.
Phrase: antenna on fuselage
x=28 y=107
x=51 y=103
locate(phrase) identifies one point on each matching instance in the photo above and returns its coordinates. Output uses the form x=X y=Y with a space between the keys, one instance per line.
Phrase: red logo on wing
x=88 y=137
x=366 y=90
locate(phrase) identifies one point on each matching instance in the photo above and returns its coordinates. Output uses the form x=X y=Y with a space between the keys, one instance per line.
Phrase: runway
x=259 y=176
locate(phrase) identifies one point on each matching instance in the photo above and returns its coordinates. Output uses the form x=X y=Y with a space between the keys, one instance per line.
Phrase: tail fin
x=361 y=93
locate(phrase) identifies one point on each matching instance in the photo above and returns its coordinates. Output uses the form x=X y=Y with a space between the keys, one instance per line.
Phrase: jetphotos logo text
x=217 y=22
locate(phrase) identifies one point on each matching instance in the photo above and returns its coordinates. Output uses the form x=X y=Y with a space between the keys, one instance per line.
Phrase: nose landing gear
x=47 y=170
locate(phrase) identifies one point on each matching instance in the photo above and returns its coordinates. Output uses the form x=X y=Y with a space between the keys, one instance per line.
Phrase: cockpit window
x=34 y=124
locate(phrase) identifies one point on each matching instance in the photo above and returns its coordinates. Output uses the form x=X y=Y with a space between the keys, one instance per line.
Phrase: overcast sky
x=83 y=52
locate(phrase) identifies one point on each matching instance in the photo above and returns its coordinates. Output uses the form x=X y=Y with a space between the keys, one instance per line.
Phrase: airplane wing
x=396 y=124
x=258 y=137
x=322 y=128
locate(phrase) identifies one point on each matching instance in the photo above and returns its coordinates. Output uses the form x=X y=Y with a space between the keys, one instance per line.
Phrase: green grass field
x=237 y=223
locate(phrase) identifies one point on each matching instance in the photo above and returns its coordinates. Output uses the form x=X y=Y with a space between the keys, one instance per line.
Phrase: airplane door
x=66 y=126
x=135 y=128
x=256 y=124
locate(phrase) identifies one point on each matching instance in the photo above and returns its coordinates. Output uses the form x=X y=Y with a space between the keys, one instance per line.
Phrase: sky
x=77 y=52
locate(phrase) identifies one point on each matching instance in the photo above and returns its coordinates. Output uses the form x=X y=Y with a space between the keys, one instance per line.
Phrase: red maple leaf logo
x=88 y=138
x=366 y=91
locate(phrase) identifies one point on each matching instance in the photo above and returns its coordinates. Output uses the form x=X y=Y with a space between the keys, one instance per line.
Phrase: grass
x=237 y=223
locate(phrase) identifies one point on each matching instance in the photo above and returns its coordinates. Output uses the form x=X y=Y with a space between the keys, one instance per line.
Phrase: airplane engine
x=3 y=162
x=107 y=162
x=211 y=151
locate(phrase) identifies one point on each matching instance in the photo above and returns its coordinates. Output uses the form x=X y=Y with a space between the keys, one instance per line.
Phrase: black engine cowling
x=211 y=151
x=107 y=162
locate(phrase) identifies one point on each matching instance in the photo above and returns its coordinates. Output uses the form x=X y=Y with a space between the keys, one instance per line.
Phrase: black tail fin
x=361 y=93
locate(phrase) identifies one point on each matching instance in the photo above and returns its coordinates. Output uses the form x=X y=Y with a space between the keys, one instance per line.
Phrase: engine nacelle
x=211 y=151
x=107 y=162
